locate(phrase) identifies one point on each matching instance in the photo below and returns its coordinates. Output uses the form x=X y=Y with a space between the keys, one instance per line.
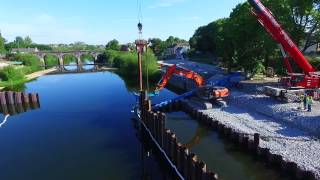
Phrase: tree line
x=241 y=43
x=26 y=42
x=157 y=45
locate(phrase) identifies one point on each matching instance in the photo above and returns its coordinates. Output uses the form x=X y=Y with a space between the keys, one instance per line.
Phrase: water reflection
x=4 y=120
x=151 y=162
x=220 y=156
x=14 y=109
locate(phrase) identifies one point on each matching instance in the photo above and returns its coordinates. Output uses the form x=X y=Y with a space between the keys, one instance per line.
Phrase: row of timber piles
x=18 y=102
x=247 y=142
x=186 y=162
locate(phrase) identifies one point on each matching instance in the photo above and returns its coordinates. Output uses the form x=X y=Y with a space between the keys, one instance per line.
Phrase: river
x=83 y=130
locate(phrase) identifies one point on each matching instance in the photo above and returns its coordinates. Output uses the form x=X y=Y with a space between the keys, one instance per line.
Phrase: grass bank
x=15 y=75
x=127 y=64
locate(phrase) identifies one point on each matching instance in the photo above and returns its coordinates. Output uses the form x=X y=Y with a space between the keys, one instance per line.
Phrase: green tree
x=79 y=46
x=27 y=41
x=113 y=45
x=242 y=43
x=2 y=45
x=19 y=42
x=51 y=60
x=157 y=46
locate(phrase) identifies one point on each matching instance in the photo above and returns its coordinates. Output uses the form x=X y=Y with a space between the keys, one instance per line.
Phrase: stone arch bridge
x=78 y=54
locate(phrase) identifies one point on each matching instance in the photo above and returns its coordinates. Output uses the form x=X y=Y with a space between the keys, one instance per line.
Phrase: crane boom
x=268 y=21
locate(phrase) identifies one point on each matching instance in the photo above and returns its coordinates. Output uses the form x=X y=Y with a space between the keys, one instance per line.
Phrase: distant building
x=177 y=51
x=125 y=48
x=2 y=57
x=313 y=49
x=24 y=50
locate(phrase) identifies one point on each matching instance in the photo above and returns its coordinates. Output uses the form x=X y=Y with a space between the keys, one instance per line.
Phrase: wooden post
x=26 y=106
x=162 y=118
x=33 y=98
x=246 y=142
x=18 y=97
x=256 y=139
x=3 y=100
x=156 y=126
x=167 y=141
x=201 y=170
x=212 y=176
x=186 y=163
x=25 y=98
x=9 y=97
x=4 y=109
x=192 y=164
x=149 y=116
x=179 y=157
x=173 y=148
x=20 y=108
x=12 y=109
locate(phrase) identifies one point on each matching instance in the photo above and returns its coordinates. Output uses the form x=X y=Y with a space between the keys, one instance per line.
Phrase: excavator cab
x=209 y=92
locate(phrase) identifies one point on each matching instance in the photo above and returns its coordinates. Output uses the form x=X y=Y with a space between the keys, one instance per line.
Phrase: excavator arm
x=182 y=72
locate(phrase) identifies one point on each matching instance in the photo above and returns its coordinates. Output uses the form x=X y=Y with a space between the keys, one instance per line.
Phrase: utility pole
x=140 y=45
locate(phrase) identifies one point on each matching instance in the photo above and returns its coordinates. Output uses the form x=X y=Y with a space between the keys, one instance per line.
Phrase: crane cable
x=140 y=20
x=139 y=15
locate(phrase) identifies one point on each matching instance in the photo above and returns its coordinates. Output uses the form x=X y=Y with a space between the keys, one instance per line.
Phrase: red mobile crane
x=310 y=79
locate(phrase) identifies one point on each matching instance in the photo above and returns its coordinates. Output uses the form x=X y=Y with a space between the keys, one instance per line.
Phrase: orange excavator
x=203 y=91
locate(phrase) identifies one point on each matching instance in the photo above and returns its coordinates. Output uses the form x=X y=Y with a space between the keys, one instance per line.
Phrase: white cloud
x=165 y=3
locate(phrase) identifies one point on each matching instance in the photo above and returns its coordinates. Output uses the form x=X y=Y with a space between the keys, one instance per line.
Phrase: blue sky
x=98 y=21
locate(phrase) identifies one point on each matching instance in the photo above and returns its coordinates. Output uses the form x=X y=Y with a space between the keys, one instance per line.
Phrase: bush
x=27 y=59
x=51 y=60
x=127 y=62
x=10 y=73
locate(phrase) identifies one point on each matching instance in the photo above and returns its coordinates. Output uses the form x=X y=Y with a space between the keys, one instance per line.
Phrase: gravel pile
x=286 y=112
x=258 y=114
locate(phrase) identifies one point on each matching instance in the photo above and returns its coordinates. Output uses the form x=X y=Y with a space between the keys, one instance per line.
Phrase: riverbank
x=27 y=78
x=40 y=73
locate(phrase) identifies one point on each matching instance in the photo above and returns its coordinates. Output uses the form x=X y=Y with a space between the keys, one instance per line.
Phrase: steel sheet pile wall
x=247 y=142
x=186 y=162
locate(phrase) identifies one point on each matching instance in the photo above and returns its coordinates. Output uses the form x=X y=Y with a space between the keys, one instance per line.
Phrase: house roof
x=24 y=50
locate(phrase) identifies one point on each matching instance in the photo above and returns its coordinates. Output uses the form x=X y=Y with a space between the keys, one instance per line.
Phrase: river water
x=83 y=130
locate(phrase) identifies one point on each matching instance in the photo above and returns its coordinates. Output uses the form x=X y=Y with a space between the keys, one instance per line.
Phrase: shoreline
x=32 y=76
x=40 y=73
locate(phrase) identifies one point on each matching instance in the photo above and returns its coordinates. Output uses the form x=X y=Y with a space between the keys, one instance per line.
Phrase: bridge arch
x=88 y=57
x=69 y=58
x=51 y=60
